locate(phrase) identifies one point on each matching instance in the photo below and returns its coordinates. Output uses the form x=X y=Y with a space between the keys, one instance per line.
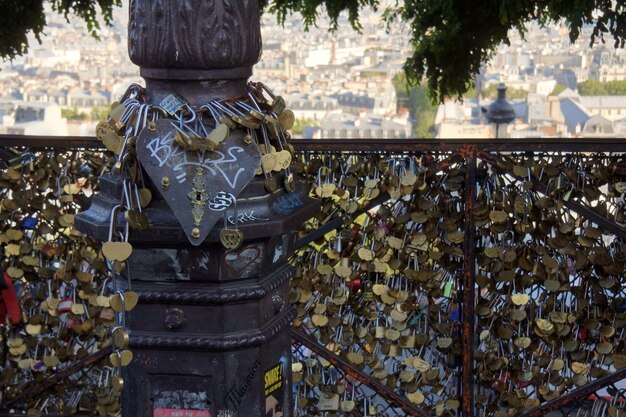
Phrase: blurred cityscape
x=340 y=85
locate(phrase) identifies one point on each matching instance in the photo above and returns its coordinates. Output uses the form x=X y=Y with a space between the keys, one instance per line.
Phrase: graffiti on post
x=285 y=204
x=237 y=392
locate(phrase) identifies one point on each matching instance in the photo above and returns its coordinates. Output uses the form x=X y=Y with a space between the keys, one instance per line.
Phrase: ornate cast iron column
x=200 y=49
x=210 y=332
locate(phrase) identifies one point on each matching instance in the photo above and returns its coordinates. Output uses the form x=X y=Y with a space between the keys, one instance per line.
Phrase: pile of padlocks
x=328 y=389
x=56 y=305
x=61 y=300
x=180 y=142
x=381 y=291
x=384 y=292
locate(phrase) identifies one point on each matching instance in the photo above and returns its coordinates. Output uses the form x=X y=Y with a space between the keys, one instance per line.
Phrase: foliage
x=74 y=114
x=491 y=92
x=400 y=84
x=100 y=114
x=451 y=38
x=310 y=10
x=424 y=112
x=20 y=17
x=422 y=109
x=301 y=123
x=558 y=89
x=97 y=114
x=597 y=88
x=592 y=88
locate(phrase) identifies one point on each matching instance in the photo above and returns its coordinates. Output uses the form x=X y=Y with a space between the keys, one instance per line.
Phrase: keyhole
x=198 y=196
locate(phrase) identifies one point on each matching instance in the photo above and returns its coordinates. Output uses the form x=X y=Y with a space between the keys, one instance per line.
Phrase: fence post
x=210 y=332
x=469 y=280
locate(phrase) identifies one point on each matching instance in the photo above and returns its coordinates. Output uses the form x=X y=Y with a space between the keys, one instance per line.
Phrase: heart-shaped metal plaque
x=197 y=185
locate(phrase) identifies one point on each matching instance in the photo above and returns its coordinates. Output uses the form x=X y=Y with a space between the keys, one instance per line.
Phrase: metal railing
x=464 y=182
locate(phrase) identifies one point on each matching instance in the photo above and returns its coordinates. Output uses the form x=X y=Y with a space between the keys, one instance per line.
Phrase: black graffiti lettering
x=235 y=394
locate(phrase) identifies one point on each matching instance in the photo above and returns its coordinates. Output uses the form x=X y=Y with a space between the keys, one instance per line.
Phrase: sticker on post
x=172 y=412
x=274 y=391
x=172 y=103
x=168 y=402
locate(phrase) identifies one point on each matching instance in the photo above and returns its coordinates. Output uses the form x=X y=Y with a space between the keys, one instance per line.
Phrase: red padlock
x=9 y=305
x=355 y=284
x=583 y=334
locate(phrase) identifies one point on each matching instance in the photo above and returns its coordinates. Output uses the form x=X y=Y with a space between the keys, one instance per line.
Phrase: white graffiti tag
x=164 y=149
x=245 y=217
x=217 y=163
x=167 y=152
x=222 y=201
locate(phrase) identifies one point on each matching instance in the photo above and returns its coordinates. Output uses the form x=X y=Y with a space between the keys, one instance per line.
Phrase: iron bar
x=575 y=395
x=42 y=415
x=51 y=381
x=445 y=164
x=618 y=393
x=432 y=169
x=59 y=142
x=469 y=279
x=369 y=145
x=336 y=223
x=468 y=149
x=464 y=145
x=337 y=361
x=588 y=213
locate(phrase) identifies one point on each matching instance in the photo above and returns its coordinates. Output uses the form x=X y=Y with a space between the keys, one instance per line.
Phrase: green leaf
x=451 y=39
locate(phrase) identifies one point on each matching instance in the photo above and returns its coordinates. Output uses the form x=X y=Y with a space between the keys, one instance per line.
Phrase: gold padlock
x=231 y=238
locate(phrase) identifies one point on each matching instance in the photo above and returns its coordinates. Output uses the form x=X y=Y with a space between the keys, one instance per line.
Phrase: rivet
x=195 y=232
x=152 y=127
x=165 y=181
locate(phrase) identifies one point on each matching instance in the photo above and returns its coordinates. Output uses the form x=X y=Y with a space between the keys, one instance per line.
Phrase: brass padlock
x=231 y=238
